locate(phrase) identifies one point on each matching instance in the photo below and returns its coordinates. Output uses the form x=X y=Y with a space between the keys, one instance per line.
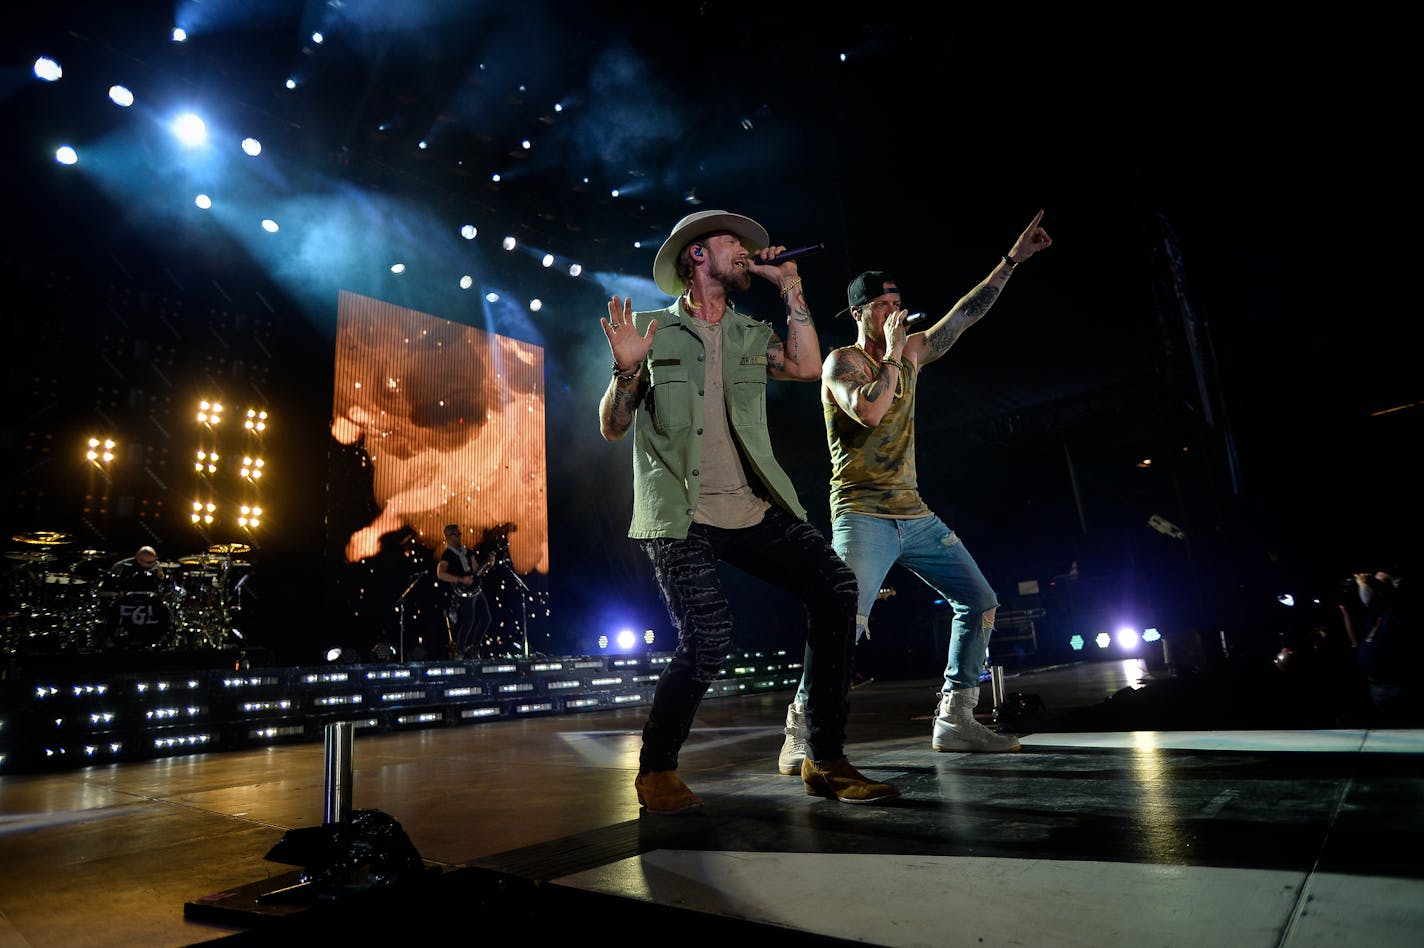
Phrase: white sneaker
x=793 y=749
x=955 y=728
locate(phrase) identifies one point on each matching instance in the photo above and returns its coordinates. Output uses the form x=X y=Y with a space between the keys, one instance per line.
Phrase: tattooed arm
x=925 y=347
x=799 y=357
x=619 y=402
x=862 y=389
x=629 y=383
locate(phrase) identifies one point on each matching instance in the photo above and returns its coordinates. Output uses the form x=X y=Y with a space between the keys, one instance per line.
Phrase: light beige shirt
x=727 y=499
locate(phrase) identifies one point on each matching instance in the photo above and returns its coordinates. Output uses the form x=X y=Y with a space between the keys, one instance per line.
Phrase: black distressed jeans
x=780 y=550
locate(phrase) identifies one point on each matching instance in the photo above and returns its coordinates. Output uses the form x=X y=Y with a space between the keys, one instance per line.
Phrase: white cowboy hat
x=752 y=235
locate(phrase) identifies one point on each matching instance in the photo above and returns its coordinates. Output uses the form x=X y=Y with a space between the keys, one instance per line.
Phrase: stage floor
x=529 y=830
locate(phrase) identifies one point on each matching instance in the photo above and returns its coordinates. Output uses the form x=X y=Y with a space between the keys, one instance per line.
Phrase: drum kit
x=61 y=600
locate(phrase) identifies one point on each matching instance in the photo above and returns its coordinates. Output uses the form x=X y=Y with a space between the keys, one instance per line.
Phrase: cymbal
x=42 y=538
x=202 y=559
x=94 y=554
x=166 y=564
x=229 y=548
x=30 y=556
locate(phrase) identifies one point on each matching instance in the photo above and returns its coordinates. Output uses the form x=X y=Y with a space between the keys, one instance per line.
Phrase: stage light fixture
x=603 y=641
x=613 y=193
x=100 y=452
x=422 y=144
x=548 y=260
x=466 y=282
x=210 y=413
x=121 y=96
x=1076 y=643
x=525 y=144
x=291 y=83
x=509 y=243
x=252 y=147
x=558 y=106
x=626 y=639
x=397 y=268
x=66 y=155
x=47 y=69
x=1127 y=638
x=535 y=305
x=203 y=201
x=469 y=232
x=1103 y=640
x=575 y=270
x=648 y=636
x=495 y=177
x=179 y=34
x=491 y=297
x=1151 y=635
x=1286 y=599
x=190 y=130
x=256 y=421
x=269 y=225
x=318 y=39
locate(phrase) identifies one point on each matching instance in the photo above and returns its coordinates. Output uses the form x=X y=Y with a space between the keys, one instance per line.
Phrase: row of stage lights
x=1127 y=639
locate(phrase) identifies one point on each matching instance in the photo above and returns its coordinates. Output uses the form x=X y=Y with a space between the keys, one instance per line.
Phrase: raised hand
x=628 y=346
x=895 y=333
x=1031 y=241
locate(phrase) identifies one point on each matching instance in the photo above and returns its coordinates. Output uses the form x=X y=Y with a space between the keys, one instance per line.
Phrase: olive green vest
x=667 y=447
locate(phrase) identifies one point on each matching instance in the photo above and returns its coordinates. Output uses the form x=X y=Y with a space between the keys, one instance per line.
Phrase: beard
x=734 y=278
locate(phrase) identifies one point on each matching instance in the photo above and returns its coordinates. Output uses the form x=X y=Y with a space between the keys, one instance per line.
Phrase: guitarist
x=468 y=612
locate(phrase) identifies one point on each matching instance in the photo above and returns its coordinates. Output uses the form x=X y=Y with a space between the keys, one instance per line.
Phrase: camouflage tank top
x=873 y=469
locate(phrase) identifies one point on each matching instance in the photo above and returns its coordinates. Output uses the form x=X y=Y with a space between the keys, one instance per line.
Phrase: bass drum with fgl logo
x=139 y=620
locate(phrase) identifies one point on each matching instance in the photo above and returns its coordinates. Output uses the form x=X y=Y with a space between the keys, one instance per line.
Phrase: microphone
x=786 y=255
x=914 y=319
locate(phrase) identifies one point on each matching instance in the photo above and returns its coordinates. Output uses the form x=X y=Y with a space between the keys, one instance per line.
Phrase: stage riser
x=53 y=720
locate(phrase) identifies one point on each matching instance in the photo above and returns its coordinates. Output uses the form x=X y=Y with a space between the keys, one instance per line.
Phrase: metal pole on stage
x=997 y=677
x=338 y=772
x=523 y=608
x=400 y=609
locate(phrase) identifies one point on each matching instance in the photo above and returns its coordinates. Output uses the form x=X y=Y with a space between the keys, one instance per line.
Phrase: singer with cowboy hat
x=690 y=381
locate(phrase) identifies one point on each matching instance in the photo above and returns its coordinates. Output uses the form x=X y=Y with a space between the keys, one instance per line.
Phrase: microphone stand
x=400 y=608
x=523 y=603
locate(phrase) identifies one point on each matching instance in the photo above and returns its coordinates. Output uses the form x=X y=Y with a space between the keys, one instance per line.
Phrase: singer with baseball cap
x=878 y=518
x=690 y=380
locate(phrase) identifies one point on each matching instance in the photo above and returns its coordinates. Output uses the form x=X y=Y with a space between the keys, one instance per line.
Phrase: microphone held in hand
x=786 y=255
x=915 y=319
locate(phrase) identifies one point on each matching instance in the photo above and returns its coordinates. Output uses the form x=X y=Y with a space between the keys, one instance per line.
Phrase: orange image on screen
x=452 y=421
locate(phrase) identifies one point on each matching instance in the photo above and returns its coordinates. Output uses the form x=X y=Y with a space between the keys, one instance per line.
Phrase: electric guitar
x=473 y=589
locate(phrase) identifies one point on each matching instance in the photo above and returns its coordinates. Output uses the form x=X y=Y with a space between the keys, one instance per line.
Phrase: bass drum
x=139 y=620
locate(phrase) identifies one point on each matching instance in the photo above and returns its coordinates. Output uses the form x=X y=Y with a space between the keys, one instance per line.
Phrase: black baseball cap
x=866 y=287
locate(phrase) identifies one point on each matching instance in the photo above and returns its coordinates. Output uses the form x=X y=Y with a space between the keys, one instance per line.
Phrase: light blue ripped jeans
x=929 y=549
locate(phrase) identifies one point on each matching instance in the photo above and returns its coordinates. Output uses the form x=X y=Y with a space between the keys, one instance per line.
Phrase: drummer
x=139 y=573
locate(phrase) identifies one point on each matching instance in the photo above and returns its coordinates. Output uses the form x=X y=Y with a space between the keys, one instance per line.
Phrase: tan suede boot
x=663 y=791
x=838 y=780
